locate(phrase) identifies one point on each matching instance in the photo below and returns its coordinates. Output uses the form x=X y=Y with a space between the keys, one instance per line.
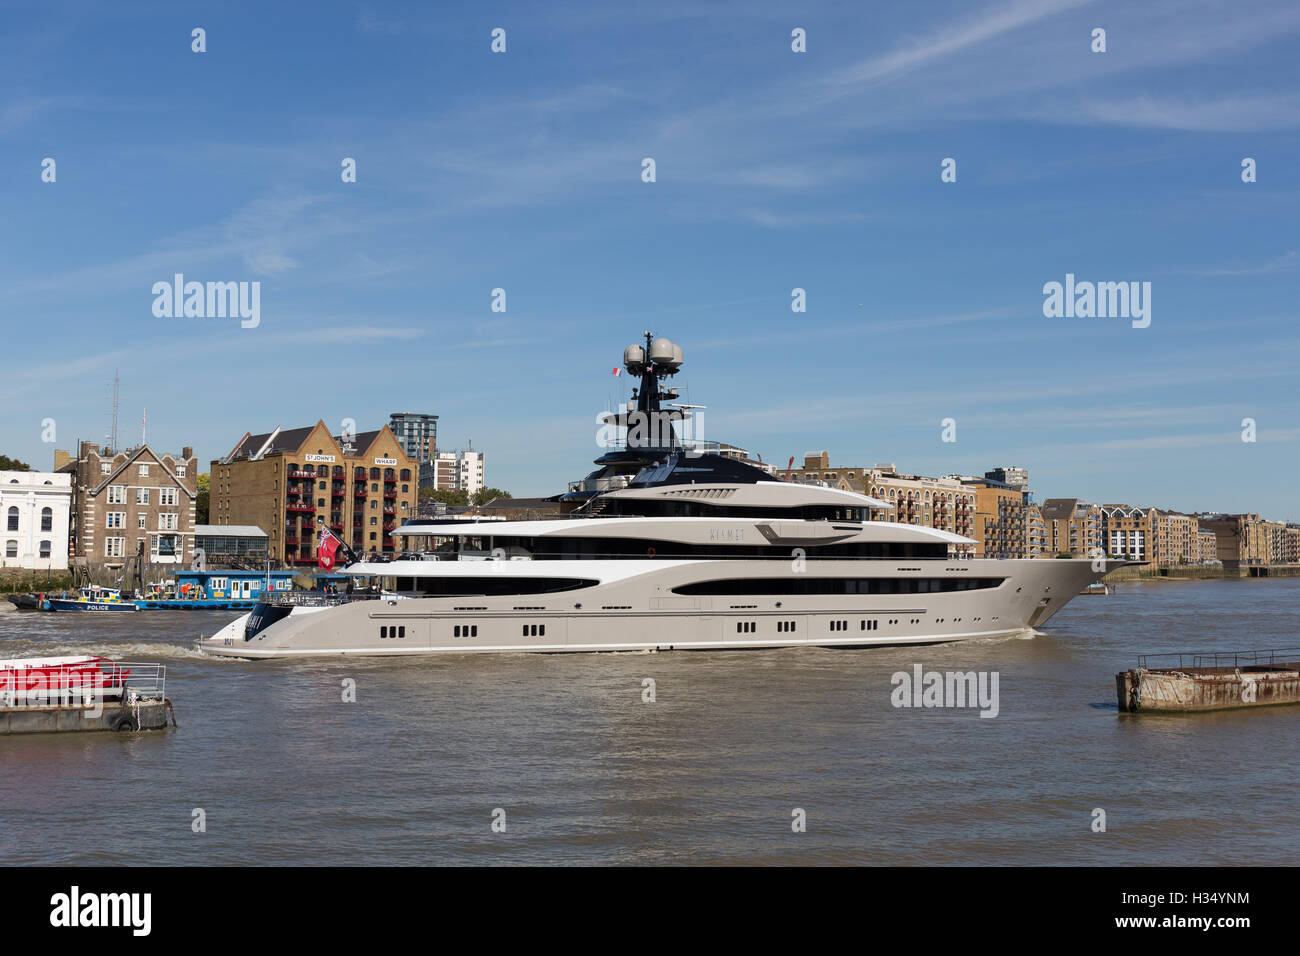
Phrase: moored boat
x=45 y=677
x=25 y=602
x=80 y=693
x=89 y=598
x=196 y=590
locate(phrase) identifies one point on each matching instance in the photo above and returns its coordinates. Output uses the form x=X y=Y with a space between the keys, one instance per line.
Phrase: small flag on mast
x=616 y=371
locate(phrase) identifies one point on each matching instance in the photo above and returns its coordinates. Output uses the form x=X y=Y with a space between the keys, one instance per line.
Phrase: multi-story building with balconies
x=1073 y=527
x=1130 y=532
x=1207 y=547
x=294 y=482
x=1038 y=539
x=416 y=432
x=944 y=503
x=1176 y=540
x=1001 y=526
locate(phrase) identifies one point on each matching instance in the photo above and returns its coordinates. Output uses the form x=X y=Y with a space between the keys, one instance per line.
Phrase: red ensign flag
x=326 y=549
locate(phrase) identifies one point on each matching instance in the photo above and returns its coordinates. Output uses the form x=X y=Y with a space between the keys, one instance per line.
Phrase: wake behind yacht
x=669 y=545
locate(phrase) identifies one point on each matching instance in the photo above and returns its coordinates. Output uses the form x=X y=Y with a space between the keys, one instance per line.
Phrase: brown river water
x=587 y=772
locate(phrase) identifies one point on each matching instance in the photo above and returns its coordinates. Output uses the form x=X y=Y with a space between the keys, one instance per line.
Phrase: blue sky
x=775 y=170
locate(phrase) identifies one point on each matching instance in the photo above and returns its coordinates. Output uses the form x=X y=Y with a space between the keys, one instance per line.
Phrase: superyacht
x=671 y=545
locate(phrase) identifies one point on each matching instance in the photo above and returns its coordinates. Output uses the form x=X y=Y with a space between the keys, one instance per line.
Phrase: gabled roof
x=134 y=457
x=278 y=441
x=361 y=441
x=1059 y=509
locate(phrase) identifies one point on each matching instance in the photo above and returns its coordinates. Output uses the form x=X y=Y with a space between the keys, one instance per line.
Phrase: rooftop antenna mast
x=112 y=434
x=144 y=421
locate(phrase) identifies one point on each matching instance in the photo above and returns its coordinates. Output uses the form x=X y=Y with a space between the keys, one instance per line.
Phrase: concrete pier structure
x=147 y=715
x=1255 y=679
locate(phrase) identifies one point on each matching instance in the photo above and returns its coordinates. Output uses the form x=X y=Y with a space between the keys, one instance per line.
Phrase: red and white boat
x=42 y=675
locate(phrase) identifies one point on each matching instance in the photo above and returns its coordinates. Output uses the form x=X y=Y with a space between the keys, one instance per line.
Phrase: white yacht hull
x=634 y=609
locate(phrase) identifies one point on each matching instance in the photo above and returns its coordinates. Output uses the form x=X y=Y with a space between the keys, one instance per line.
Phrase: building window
x=117 y=494
x=167 y=521
x=180 y=470
x=142 y=496
x=115 y=519
x=105 y=468
x=45 y=549
x=140 y=521
x=114 y=547
x=144 y=471
x=13 y=518
x=11 y=548
x=166 y=496
x=47 y=519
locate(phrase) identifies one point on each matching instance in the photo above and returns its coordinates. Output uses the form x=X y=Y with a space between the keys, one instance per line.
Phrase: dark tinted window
x=806 y=585
x=684 y=508
x=490 y=585
x=611 y=548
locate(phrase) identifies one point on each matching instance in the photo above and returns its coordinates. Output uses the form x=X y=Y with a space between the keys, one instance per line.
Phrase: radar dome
x=633 y=355
x=663 y=352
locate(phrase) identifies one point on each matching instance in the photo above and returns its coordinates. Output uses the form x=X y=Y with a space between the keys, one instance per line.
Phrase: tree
x=484 y=495
x=13 y=464
x=201 y=499
x=445 y=495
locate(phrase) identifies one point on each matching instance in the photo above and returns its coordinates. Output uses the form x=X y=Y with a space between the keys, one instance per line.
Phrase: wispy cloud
x=1222 y=114
x=1286 y=262
x=948 y=41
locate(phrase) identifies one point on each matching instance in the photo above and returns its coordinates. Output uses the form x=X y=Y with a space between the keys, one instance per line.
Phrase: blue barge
x=215 y=590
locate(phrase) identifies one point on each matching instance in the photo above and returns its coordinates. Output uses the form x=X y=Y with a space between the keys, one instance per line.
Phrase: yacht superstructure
x=671 y=545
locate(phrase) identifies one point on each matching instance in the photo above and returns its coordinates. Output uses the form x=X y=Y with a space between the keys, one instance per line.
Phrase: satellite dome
x=663 y=352
x=633 y=355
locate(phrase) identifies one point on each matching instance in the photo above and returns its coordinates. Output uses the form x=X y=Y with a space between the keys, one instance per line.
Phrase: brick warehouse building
x=123 y=498
x=290 y=482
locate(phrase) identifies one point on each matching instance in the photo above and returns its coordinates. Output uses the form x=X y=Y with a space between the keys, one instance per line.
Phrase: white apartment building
x=34 y=506
x=454 y=471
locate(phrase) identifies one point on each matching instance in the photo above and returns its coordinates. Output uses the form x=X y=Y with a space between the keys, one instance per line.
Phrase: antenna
x=144 y=421
x=112 y=434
